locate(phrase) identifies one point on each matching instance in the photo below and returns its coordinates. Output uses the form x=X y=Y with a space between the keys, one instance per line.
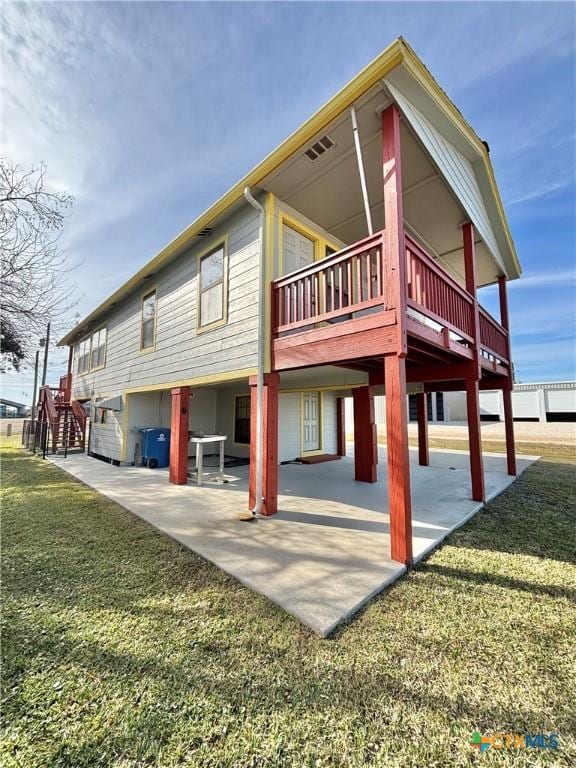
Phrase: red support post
x=340 y=427
x=269 y=444
x=179 y=435
x=422 y=409
x=399 y=500
x=472 y=386
x=365 y=446
x=470 y=278
x=394 y=244
x=507 y=391
x=475 y=440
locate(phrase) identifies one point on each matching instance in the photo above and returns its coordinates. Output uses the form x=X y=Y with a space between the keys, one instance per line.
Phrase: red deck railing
x=339 y=286
x=352 y=281
x=493 y=337
x=433 y=293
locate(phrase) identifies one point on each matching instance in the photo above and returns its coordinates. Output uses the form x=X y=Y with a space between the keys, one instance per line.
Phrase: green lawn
x=120 y=648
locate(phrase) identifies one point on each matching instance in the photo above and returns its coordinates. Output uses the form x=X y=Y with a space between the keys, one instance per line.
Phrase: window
x=148 y=335
x=98 y=354
x=211 y=287
x=83 y=356
x=242 y=419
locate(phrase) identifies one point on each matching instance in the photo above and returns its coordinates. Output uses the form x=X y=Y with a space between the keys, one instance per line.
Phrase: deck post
x=422 y=410
x=179 y=427
x=507 y=391
x=395 y=286
x=269 y=444
x=340 y=427
x=475 y=439
x=365 y=446
x=399 y=500
x=472 y=381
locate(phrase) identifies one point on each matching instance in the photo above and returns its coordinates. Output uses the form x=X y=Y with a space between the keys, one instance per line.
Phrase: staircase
x=65 y=419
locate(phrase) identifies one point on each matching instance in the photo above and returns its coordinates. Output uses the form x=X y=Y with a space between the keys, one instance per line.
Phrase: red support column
x=365 y=446
x=394 y=246
x=399 y=501
x=472 y=395
x=180 y=425
x=422 y=408
x=269 y=444
x=507 y=391
x=340 y=427
x=475 y=439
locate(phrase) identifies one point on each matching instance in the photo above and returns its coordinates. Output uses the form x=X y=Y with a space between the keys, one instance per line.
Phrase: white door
x=311 y=421
x=298 y=250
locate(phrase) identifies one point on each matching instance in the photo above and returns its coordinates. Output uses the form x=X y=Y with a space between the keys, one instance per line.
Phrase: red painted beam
x=179 y=428
x=422 y=409
x=340 y=427
x=475 y=440
x=507 y=391
x=269 y=444
x=399 y=501
x=365 y=445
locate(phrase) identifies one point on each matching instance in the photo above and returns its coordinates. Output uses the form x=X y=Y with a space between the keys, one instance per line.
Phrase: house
x=345 y=264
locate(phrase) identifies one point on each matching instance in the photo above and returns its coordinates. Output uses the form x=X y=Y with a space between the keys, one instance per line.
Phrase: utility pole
x=33 y=410
x=46 y=345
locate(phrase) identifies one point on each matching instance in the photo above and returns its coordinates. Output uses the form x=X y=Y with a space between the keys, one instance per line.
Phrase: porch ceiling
x=327 y=190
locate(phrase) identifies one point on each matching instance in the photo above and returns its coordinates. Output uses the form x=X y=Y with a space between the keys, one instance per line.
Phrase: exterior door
x=311 y=421
x=298 y=250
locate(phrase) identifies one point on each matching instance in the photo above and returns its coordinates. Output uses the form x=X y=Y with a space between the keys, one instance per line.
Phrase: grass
x=120 y=648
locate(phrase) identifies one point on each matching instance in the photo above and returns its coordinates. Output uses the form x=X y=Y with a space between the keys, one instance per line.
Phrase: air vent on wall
x=205 y=232
x=319 y=148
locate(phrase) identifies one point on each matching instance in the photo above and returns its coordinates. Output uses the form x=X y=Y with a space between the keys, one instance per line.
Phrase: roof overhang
x=397 y=55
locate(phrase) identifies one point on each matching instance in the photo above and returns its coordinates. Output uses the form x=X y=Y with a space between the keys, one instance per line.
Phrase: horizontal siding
x=457 y=170
x=181 y=352
x=289 y=426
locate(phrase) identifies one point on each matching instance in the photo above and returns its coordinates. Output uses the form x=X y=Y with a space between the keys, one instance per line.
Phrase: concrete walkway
x=328 y=550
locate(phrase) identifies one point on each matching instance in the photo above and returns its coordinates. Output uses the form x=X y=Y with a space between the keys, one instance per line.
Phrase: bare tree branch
x=34 y=272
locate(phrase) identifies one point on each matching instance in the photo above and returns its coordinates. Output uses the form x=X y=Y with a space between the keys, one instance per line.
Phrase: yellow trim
x=233 y=441
x=221 y=243
x=215 y=378
x=316 y=451
x=398 y=52
x=268 y=240
x=325 y=388
x=149 y=291
x=317 y=236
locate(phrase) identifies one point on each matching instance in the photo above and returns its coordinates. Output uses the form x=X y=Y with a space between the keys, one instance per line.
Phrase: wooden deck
x=340 y=311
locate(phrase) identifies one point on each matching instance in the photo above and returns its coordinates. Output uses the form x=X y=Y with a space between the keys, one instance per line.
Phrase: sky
x=147 y=112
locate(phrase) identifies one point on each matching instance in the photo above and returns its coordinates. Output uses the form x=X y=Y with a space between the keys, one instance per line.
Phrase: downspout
x=361 y=170
x=260 y=373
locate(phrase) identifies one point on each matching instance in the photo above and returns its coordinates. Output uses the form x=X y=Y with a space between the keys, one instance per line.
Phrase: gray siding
x=457 y=170
x=181 y=352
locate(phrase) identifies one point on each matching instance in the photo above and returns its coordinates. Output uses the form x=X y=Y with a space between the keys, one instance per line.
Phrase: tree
x=34 y=272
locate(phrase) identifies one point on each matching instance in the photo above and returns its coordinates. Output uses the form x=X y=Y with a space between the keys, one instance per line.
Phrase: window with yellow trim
x=148 y=333
x=211 y=308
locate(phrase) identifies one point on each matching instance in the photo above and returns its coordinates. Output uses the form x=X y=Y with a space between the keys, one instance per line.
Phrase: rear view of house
x=346 y=264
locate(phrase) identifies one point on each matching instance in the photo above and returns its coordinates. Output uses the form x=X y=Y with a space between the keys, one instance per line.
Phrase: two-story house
x=345 y=264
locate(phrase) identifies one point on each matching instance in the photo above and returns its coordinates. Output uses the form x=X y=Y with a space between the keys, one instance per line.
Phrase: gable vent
x=319 y=148
x=205 y=232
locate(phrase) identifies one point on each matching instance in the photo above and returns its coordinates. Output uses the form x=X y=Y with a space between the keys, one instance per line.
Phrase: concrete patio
x=328 y=550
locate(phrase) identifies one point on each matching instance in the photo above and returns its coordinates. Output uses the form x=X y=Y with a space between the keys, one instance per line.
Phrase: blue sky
x=147 y=112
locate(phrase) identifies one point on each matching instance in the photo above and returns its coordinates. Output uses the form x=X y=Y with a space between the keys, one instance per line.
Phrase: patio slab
x=327 y=551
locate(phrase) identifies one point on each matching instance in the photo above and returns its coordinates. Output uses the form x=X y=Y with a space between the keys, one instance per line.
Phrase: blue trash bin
x=155 y=447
